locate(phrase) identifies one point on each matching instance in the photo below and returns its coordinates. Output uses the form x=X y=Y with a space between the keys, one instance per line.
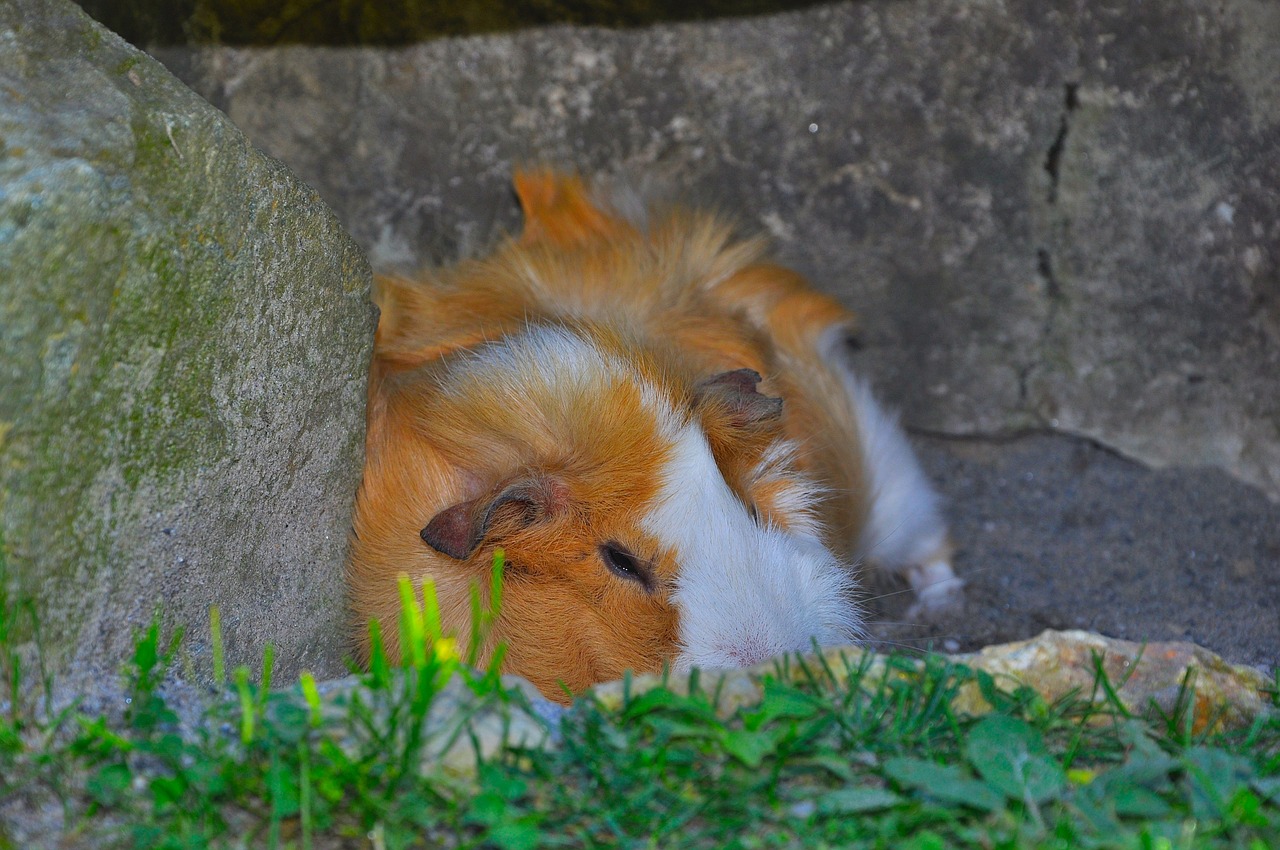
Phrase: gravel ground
x=1054 y=532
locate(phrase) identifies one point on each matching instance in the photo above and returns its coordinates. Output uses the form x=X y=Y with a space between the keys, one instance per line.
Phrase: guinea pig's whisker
x=889 y=644
x=876 y=545
x=968 y=573
x=912 y=643
x=880 y=596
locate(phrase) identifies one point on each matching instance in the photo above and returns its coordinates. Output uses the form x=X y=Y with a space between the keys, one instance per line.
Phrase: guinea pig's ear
x=735 y=393
x=459 y=529
x=559 y=209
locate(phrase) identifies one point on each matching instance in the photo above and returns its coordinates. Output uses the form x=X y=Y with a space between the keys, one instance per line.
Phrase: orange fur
x=677 y=300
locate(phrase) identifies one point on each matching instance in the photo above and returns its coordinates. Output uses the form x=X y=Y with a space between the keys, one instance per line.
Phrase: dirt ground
x=1054 y=532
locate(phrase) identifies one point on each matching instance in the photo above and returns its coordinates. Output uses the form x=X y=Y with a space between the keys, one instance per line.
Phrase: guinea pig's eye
x=626 y=565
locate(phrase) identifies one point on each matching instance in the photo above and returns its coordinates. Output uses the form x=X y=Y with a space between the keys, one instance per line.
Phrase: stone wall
x=1050 y=218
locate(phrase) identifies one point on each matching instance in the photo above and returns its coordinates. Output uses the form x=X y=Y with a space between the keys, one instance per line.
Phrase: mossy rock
x=184 y=337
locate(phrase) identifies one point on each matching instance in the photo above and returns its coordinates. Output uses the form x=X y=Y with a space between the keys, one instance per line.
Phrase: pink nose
x=746 y=652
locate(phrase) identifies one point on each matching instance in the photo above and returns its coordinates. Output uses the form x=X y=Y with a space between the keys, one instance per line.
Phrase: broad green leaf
x=947 y=783
x=109 y=785
x=674 y=726
x=515 y=836
x=836 y=764
x=291 y=721
x=1097 y=808
x=166 y=790
x=1138 y=738
x=1215 y=776
x=1246 y=808
x=494 y=780
x=1146 y=769
x=1011 y=757
x=855 y=800
x=205 y=778
x=662 y=699
x=487 y=809
x=925 y=841
x=751 y=747
x=1136 y=801
x=779 y=701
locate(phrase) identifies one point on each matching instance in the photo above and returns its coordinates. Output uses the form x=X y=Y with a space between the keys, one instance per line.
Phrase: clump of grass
x=827 y=757
x=277 y=767
x=886 y=761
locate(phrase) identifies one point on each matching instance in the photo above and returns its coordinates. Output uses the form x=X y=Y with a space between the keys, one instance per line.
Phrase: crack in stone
x=1010 y=436
x=1053 y=158
x=1024 y=375
x=1044 y=265
x=1044 y=258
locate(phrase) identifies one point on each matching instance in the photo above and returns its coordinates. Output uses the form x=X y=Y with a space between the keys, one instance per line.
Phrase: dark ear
x=736 y=392
x=459 y=529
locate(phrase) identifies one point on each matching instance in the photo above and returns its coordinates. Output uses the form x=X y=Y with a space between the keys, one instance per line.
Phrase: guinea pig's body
x=660 y=431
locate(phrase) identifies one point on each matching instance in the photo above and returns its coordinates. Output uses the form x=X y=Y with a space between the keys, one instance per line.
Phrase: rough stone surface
x=184 y=338
x=1049 y=217
x=1054 y=664
x=1218 y=695
x=1055 y=533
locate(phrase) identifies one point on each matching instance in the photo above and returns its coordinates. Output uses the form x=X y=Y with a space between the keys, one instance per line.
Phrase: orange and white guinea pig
x=658 y=427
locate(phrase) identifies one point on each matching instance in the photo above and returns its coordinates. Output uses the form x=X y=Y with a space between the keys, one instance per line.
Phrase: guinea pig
x=658 y=427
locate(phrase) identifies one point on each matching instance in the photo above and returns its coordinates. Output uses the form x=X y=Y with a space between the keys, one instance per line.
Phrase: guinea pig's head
x=646 y=519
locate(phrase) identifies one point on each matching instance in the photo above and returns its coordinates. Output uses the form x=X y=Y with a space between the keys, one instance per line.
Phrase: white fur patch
x=798 y=498
x=745 y=593
x=559 y=357
x=564 y=362
x=905 y=530
x=905 y=527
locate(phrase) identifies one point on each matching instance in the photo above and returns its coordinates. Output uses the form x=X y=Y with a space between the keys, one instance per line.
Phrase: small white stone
x=1252 y=259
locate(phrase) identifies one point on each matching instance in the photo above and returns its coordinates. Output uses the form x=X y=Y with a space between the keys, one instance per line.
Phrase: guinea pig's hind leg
x=905 y=532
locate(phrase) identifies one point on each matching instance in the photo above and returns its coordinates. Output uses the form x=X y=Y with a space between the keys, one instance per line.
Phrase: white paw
x=937 y=590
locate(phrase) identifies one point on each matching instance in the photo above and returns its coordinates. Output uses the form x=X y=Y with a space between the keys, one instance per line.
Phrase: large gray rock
x=1049 y=218
x=184 y=335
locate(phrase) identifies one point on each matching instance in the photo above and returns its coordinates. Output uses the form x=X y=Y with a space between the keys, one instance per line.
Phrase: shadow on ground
x=387 y=23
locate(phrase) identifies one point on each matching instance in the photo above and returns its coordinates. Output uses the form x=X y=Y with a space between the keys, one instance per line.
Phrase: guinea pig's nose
x=747 y=651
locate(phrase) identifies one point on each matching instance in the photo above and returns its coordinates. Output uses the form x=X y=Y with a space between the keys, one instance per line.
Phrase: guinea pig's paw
x=937 y=589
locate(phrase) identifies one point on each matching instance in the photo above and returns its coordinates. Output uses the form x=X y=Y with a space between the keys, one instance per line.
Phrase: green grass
x=880 y=760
